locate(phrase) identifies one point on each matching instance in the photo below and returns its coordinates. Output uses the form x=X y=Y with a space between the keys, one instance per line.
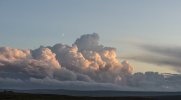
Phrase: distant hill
x=100 y=93
x=30 y=96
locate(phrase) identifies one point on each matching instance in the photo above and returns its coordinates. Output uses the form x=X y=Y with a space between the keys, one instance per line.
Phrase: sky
x=145 y=32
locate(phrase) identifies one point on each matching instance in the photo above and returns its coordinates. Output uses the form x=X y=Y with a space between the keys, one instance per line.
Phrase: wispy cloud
x=159 y=55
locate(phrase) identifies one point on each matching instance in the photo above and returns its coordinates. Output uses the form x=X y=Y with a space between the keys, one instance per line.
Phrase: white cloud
x=86 y=63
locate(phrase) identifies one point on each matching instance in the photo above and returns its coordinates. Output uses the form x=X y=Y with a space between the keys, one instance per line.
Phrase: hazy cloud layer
x=160 y=55
x=85 y=64
x=170 y=51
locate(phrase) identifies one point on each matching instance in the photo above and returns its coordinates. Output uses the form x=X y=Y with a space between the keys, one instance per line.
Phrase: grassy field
x=26 y=96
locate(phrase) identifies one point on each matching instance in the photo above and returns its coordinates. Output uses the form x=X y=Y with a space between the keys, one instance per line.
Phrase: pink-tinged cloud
x=86 y=63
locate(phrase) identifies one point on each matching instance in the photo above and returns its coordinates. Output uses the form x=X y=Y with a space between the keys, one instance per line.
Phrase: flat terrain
x=28 y=96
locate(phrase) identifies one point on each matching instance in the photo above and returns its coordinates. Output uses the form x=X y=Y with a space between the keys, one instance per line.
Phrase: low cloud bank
x=84 y=65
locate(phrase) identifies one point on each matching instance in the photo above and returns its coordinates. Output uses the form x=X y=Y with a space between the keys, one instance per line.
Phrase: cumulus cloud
x=86 y=63
x=45 y=54
x=22 y=64
x=88 y=42
x=86 y=56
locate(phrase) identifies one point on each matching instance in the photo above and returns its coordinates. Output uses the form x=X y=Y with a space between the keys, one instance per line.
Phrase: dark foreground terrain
x=29 y=96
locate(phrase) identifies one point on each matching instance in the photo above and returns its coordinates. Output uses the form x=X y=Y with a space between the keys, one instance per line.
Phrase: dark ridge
x=29 y=96
x=97 y=93
x=12 y=95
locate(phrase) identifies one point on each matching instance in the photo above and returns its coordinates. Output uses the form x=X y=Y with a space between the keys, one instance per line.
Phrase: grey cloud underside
x=154 y=59
x=160 y=55
x=85 y=64
x=164 y=50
